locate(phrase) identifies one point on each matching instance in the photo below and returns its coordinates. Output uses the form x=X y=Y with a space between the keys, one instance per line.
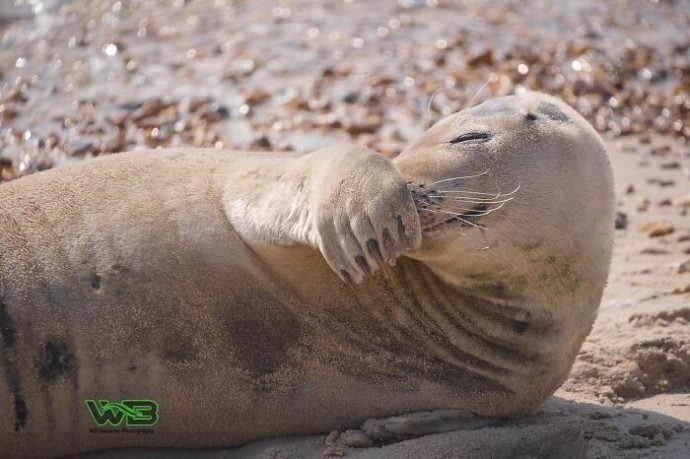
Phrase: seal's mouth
x=468 y=219
x=440 y=226
x=454 y=203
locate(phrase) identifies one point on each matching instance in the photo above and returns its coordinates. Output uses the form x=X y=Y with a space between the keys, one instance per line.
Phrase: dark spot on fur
x=7 y=328
x=553 y=112
x=402 y=236
x=531 y=117
x=20 y=412
x=96 y=282
x=54 y=361
x=179 y=348
x=132 y=368
x=497 y=289
x=261 y=335
x=9 y=338
x=520 y=326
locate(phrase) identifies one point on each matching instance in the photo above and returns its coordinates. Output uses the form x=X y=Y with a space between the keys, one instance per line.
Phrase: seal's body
x=238 y=290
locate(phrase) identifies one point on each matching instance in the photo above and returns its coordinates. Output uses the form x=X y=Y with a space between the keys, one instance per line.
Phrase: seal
x=252 y=295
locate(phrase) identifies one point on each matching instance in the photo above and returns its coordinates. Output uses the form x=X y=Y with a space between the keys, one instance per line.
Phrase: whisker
x=479 y=91
x=457 y=210
x=442 y=193
x=494 y=209
x=472 y=200
x=463 y=210
x=462 y=177
x=471 y=211
x=457 y=217
x=479 y=192
x=490 y=210
x=427 y=116
x=469 y=103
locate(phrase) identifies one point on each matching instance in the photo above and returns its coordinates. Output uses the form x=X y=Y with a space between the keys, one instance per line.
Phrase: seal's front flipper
x=406 y=426
x=347 y=201
x=361 y=213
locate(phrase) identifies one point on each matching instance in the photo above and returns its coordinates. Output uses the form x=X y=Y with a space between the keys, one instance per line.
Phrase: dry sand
x=87 y=77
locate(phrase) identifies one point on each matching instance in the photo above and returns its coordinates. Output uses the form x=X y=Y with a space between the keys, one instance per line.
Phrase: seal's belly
x=217 y=334
x=162 y=300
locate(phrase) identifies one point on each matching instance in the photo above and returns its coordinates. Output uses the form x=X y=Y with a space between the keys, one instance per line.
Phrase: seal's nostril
x=531 y=116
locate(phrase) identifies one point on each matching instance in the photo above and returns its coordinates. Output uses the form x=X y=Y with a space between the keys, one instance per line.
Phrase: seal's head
x=516 y=201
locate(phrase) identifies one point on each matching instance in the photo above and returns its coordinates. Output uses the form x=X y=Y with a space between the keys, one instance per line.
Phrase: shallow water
x=301 y=74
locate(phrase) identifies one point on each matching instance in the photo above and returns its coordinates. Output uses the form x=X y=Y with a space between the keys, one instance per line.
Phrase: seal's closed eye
x=470 y=136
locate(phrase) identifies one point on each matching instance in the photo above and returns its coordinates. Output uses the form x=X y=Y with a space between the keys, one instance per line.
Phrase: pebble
x=366 y=126
x=662 y=150
x=256 y=96
x=80 y=146
x=670 y=165
x=661 y=182
x=681 y=291
x=657 y=228
x=682 y=203
x=683 y=267
x=601 y=430
x=148 y=109
x=334 y=451
x=621 y=220
x=7 y=170
x=654 y=251
x=7 y=113
x=331 y=438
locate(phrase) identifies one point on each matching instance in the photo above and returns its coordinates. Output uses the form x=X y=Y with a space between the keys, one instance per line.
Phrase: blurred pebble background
x=80 y=78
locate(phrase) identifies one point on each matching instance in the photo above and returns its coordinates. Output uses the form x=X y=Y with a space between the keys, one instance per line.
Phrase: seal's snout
x=457 y=201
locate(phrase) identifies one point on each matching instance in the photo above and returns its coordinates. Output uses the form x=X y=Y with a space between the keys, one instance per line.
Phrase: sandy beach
x=85 y=78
